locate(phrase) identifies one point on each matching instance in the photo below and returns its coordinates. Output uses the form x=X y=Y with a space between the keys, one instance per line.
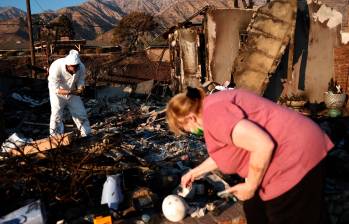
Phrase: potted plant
x=334 y=97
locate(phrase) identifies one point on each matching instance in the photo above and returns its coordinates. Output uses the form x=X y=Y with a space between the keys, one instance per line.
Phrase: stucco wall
x=320 y=60
x=223 y=40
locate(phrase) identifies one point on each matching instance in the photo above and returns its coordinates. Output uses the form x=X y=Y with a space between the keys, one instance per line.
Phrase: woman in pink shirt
x=278 y=151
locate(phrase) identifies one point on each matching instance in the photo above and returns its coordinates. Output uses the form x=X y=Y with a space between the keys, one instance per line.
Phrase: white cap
x=72 y=58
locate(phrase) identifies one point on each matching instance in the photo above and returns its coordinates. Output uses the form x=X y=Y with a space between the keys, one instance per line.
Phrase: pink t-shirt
x=300 y=143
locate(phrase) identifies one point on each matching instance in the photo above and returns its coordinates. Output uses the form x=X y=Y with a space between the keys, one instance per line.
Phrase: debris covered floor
x=131 y=139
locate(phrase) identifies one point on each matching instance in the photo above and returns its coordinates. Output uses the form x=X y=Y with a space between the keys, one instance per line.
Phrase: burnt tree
x=132 y=28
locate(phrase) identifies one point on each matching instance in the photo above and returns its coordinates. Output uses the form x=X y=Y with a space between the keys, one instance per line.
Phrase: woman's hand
x=243 y=191
x=206 y=166
x=188 y=179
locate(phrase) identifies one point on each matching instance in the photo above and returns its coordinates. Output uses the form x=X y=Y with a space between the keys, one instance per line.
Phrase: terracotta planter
x=334 y=100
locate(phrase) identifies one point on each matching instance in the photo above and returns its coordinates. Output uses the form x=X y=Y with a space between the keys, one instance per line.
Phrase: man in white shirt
x=66 y=81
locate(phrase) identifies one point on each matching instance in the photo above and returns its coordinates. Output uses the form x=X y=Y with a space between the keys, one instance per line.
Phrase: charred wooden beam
x=271 y=28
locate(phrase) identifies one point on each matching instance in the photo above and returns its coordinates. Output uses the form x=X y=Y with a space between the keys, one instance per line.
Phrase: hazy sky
x=40 y=5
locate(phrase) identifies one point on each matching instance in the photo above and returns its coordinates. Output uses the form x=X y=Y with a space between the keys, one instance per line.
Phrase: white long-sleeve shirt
x=60 y=78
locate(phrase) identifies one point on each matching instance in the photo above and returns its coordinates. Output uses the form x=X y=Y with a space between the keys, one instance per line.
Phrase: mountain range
x=10 y=13
x=96 y=17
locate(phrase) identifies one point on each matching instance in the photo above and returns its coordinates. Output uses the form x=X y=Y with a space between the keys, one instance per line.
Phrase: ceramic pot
x=334 y=100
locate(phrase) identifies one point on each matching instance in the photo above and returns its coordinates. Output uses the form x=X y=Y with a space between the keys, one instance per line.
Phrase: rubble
x=13 y=142
x=144 y=87
x=133 y=141
x=337 y=170
x=31 y=213
x=28 y=100
x=19 y=146
x=130 y=138
x=344 y=37
x=332 y=16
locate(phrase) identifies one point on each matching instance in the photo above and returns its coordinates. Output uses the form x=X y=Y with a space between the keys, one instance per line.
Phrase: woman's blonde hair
x=182 y=105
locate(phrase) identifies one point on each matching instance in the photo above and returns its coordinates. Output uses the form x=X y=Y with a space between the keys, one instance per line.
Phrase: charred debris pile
x=131 y=139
